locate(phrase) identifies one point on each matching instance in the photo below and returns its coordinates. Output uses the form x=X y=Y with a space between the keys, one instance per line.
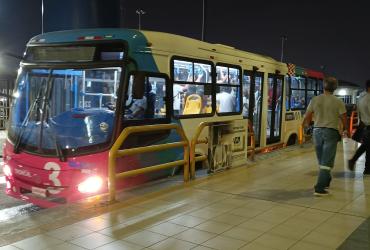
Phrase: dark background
x=329 y=34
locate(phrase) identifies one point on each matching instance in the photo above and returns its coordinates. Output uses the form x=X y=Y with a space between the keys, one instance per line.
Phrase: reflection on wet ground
x=270 y=205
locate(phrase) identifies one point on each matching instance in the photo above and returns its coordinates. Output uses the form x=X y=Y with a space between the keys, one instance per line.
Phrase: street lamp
x=140 y=12
x=283 y=39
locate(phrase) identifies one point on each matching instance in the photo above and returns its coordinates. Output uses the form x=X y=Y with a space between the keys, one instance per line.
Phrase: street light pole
x=140 y=12
x=203 y=18
x=42 y=16
x=283 y=39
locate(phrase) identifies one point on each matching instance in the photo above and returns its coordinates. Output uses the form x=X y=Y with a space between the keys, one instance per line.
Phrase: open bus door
x=253 y=82
x=275 y=108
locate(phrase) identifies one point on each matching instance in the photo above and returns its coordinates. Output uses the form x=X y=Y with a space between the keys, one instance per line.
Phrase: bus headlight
x=91 y=185
x=7 y=171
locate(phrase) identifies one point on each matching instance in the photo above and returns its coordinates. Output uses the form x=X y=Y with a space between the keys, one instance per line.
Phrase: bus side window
x=192 y=87
x=152 y=105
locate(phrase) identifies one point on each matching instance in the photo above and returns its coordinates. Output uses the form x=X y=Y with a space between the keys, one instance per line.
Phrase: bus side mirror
x=138 y=86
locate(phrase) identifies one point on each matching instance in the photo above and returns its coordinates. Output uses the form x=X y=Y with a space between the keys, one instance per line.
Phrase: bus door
x=252 y=100
x=274 y=108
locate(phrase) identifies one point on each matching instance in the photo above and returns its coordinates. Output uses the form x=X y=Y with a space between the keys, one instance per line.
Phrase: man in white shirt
x=364 y=112
x=225 y=100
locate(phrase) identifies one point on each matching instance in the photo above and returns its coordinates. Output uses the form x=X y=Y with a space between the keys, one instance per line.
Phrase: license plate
x=39 y=191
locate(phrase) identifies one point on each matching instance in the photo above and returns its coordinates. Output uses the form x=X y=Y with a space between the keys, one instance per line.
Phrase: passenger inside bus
x=221 y=74
x=152 y=105
x=225 y=100
x=245 y=102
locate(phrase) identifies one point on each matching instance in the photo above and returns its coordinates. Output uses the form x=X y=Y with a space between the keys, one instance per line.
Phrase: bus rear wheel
x=292 y=140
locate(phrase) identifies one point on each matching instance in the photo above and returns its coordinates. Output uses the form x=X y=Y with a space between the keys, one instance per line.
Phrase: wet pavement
x=269 y=205
x=11 y=207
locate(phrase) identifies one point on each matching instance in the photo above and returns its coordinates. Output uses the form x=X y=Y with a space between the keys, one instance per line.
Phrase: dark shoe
x=367 y=171
x=327 y=187
x=321 y=193
x=351 y=165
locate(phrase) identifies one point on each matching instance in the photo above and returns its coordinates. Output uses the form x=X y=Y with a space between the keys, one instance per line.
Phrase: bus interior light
x=91 y=185
x=7 y=171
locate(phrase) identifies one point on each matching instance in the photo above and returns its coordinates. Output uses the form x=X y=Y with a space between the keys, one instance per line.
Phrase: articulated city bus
x=77 y=90
x=301 y=85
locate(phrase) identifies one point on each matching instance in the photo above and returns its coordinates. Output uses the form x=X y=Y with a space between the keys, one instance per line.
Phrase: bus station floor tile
x=265 y=205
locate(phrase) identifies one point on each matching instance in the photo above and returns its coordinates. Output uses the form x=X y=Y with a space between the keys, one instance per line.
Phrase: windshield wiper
x=35 y=103
x=45 y=113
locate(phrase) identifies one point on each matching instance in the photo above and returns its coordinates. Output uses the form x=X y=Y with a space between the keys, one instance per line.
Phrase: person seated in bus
x=225 y=100
x=137 y=109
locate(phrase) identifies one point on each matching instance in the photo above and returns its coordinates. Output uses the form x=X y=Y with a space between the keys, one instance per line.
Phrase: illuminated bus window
x=234 y=76
x=192 y=91
x=298 y=93
x=311 y=84
x=202 y=73
x=310 y=94
x=226 y=99
x=156 y=97
x=192 y=99
x=311 y=89
x=152 y=104
x=319 y=87
x=228 y=95
x=183 y=71
x=246 y=89
x=287 y=91
x=222 y=74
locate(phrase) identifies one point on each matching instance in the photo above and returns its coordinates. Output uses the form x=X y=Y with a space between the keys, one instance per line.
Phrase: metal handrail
x=193 y=143
x=252 y=148
x=300 y=134
x=115 y=153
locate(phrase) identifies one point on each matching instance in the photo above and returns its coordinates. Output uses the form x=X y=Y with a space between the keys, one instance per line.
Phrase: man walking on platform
x=327 y=110
x=364 y=112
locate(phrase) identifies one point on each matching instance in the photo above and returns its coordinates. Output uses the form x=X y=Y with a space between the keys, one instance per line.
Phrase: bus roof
x=300 y=71
x=138 y=40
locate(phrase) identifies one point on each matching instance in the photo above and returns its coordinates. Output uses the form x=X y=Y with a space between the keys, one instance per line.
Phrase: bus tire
x=292 y=140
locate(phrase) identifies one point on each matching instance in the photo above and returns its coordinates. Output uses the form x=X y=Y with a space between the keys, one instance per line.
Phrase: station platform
x=267 y=204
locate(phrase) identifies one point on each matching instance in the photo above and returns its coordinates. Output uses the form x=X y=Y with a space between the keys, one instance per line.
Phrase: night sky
x=332 y=34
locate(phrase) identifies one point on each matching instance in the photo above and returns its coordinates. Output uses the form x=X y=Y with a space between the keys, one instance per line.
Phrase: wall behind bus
x=80 y=14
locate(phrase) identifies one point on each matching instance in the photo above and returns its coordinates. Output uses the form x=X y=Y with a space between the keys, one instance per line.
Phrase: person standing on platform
x=327 y=111
x=364 y=112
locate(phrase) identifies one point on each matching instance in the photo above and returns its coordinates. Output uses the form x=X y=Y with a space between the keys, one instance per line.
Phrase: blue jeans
x=325 y=141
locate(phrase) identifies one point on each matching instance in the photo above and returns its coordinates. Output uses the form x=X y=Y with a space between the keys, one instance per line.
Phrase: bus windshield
x=60 y=111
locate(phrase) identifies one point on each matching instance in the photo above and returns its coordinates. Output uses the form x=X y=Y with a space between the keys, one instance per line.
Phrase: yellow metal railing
x=195 y=141
x=115 y=153
x=252 y=148
x=300 y=134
